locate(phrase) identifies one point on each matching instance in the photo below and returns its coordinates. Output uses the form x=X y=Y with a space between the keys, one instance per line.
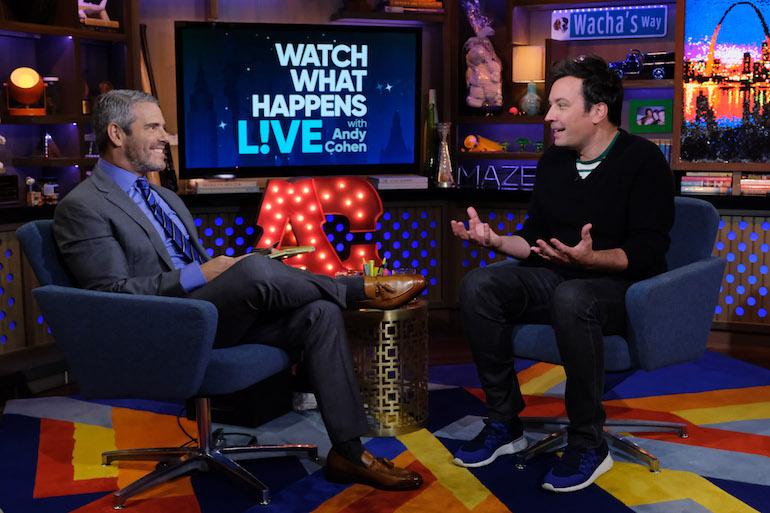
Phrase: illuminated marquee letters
x=294 y=214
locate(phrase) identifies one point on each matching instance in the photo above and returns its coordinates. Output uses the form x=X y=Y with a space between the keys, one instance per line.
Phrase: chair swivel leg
x=159 y=476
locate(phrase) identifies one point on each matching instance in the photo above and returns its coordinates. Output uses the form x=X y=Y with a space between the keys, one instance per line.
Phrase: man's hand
x=218 y=265
x=478 y=232
x=582 y=255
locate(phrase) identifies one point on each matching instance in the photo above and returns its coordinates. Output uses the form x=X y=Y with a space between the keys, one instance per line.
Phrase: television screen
x=289 y=100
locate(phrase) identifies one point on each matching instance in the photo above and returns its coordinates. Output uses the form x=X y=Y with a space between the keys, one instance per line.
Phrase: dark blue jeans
x=495 y=298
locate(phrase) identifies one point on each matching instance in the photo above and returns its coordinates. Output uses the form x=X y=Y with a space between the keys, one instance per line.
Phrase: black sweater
x=628 y=198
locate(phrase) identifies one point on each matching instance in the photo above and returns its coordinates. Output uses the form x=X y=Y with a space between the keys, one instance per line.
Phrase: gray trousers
x=264 y=301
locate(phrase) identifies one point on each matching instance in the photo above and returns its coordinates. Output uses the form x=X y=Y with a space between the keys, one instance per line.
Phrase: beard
x=142 y=160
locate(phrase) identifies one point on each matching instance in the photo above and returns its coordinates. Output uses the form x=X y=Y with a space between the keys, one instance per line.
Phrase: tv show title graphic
x=328 y=82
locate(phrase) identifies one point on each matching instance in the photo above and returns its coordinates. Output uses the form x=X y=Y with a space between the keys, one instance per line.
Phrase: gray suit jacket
x=109 y=244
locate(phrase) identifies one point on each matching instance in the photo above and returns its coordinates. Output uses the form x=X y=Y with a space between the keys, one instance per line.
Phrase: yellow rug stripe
x=726 y=413
x=491 y=505
x=544 y=382
x=436 y=458
x=90 y=443
x=534 y=371
x=635 y=485
x=728 y=397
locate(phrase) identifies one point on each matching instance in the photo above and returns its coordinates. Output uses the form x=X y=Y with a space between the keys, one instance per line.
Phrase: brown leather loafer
x=379 y=472
x=389 y=292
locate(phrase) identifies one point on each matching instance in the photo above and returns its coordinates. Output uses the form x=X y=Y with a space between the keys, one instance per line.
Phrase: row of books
x=755 y=184
x=665 y=147
x=413 y=6
x=707 y=183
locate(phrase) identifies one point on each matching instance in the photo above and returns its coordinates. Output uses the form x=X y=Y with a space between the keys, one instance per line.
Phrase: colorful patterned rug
x=50 y=452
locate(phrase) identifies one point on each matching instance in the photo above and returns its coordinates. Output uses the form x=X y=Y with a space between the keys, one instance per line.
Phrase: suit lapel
x=120 y=199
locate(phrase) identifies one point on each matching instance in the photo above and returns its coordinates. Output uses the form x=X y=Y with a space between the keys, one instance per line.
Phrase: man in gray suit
x=117 y=233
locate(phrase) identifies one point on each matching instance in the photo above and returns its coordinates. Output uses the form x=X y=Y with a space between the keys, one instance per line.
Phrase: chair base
x=209 y=455
x=558 y=438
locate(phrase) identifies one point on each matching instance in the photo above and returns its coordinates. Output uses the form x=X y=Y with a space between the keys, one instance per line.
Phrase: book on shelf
x=424 y=10
x=382 y=182
x=428 y=4
x=709 y=173
x=703 y=191
x=706 y=183
x=226 y=186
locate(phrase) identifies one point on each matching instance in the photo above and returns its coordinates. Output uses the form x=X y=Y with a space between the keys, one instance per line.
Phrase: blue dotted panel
x=743 y=241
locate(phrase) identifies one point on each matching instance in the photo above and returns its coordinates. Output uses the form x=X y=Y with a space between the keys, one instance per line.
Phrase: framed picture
x=720 y=86
x=649 y=116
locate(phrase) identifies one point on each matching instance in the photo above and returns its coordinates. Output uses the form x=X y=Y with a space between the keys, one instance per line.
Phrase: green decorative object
x=523 y=143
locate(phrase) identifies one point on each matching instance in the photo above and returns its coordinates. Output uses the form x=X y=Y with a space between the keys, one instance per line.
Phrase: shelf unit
x=527 y=22
x=48 y=36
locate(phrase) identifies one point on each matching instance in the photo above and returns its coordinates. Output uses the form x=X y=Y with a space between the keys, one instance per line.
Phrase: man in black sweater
x=598 y=221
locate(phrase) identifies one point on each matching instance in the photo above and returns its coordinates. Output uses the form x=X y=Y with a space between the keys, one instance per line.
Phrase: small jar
x=50 y=190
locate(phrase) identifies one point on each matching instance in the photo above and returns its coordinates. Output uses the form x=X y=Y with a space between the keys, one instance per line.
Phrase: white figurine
x=483 y=76
x=89 y=10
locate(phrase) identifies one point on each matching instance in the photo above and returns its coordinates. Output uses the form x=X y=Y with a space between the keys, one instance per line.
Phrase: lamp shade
x=26 y=86
x=527 y=64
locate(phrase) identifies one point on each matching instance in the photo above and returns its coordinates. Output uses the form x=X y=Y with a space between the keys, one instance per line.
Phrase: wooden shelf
x=641 y=84
x=51 y=119
x=53 y=161
x=498 y=155
x=34 y=30
x=503 y=119
x=387 y=18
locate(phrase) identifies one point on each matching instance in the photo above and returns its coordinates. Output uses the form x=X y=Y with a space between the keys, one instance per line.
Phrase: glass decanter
x=444 y=177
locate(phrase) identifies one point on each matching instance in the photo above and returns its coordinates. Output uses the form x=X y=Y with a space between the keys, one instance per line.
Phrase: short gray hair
x=117 y=106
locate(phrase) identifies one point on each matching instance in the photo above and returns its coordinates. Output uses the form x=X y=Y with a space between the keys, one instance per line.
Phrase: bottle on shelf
x=430 y=145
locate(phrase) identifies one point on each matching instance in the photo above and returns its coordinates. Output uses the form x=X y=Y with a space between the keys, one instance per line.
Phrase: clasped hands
x=580 y=255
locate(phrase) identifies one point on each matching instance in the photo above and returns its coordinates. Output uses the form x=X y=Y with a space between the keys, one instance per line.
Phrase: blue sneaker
x=493 y=441
x=577 y=469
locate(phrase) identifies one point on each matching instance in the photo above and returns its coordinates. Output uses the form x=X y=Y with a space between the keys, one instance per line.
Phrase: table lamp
x=527 y=66
x=25 y=93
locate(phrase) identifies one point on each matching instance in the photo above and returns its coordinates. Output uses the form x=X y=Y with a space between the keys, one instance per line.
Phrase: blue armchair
x=668 y=322
x=150 y=347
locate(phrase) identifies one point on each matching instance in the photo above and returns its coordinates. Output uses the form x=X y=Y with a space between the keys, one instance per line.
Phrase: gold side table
x=390 y=355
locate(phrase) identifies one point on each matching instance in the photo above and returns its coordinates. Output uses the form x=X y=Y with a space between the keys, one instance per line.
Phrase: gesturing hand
x=580 y=255
x=478 y=232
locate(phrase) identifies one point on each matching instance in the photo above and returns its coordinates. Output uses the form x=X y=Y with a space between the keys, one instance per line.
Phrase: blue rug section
x=465 y=375
x=451 y=404
x=756 y=496
x=276 y=473
x=712 y=372
x=19 y=440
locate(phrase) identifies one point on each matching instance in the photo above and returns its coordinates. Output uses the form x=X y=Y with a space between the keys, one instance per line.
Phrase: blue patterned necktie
x=165 y=221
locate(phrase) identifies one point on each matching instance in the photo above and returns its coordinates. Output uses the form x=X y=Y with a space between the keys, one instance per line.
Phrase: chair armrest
x=127 y=345
x=669 y=316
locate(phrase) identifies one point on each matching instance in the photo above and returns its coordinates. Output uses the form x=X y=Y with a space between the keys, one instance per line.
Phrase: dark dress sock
x=351 y=451
x=354 y=288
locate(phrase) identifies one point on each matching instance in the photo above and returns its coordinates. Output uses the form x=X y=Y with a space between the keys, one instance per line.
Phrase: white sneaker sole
x=517 y=445
x=603 y=467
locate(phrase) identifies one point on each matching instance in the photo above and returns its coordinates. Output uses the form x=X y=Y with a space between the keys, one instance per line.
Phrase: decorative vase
x=531 y=102
x=444 y=177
